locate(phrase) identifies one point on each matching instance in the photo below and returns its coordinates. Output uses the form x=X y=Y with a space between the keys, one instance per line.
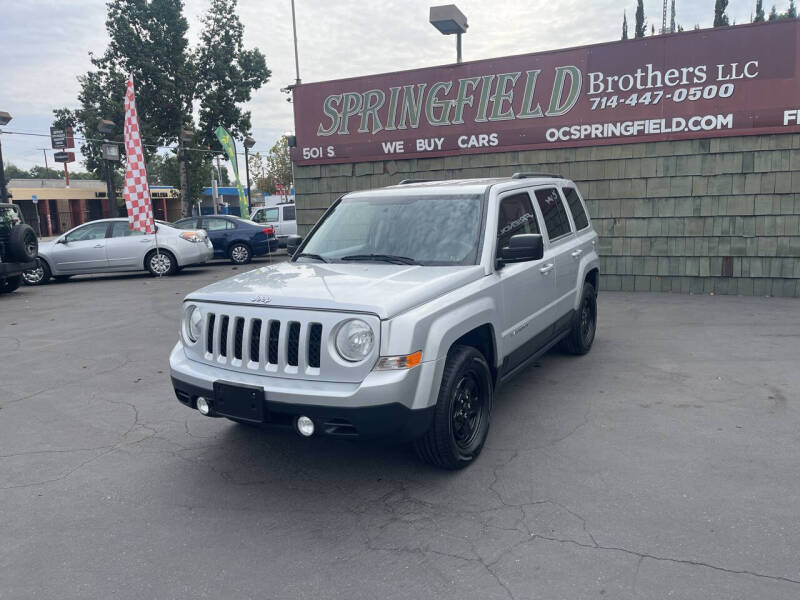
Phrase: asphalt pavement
x=662 y=465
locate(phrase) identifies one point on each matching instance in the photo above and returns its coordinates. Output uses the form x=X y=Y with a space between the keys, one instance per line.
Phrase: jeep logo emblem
x=261 y=300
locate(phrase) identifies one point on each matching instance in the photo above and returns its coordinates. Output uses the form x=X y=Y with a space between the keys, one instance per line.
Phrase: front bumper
x=10 y=269
x=391 y=405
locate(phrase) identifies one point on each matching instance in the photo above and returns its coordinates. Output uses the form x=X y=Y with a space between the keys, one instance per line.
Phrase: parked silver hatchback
x=111 y=246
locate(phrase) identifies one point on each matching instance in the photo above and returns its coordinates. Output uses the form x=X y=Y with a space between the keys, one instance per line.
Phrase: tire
x=10 y=284
x=23 y=243
x=38 y=276
x=240 y=254
x=454 y=441
x=581 y=336
x=160 y=263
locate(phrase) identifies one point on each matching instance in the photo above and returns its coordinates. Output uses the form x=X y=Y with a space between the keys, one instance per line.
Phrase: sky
x=45 y=46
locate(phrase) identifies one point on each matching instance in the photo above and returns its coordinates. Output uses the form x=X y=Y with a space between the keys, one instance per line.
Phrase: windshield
x=427 y=230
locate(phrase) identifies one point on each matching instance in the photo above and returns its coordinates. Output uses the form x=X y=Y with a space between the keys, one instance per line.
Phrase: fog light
x=305 y=426
x=202 y=406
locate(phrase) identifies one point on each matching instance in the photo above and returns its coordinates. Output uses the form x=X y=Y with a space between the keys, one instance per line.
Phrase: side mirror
x=523 y=247
x=62 y=240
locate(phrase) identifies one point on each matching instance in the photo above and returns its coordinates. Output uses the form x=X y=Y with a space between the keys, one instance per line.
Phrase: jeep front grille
x=238 y=341
x=291 y=343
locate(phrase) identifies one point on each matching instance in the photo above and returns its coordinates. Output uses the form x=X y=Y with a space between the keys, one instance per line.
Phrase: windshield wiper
x=309 y=255
x=390 y=258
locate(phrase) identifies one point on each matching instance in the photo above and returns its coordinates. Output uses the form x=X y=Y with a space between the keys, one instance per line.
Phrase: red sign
x=711 y=83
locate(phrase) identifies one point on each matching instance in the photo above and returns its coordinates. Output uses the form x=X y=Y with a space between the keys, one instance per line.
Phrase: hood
x=382 y=289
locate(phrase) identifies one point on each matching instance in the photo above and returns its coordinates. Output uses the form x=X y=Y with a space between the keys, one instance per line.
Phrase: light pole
x=248 y=143
x=187 y=136
x=4 y=120
x=449 y=20
x=296 y=59
x=110 y=153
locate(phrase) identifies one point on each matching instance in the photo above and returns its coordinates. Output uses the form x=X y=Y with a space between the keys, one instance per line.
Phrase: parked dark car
x=233 y=237
x=18 y=247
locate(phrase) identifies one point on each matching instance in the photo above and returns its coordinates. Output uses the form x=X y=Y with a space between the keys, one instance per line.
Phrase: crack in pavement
x=644 y=555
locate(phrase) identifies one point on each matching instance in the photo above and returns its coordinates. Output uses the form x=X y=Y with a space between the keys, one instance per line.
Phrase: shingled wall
x=699 y=216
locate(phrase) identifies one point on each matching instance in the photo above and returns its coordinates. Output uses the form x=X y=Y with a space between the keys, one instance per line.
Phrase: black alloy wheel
x=581 y=337
x=461 y=417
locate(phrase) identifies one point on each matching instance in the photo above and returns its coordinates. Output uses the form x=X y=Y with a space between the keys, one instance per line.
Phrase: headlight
x=193 y=236
x=354 y=340
x=193 y=321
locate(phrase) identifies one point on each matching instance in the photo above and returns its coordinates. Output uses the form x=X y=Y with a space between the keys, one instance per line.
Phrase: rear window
x=288 y=213
x=576 y=208
x=555 y=215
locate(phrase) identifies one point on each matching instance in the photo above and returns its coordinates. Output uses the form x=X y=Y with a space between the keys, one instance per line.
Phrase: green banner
x=230 y=149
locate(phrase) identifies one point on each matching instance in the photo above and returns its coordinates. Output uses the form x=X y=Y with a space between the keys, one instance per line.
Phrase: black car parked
x=234 y=237
x=18 y=247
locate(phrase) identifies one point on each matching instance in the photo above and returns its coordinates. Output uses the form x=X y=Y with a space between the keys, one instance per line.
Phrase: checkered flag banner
x=137 y=190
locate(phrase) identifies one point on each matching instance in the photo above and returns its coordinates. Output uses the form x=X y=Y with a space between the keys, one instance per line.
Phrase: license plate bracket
x=242 y=402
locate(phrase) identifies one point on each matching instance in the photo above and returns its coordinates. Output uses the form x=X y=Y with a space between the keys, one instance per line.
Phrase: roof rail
x=532 y=175
x=407 y=181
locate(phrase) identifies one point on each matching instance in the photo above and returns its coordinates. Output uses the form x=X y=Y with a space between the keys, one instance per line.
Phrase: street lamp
x=449 y=20
x=248 y=143
x=110 y=153
x=4 y=120
x=187 y=135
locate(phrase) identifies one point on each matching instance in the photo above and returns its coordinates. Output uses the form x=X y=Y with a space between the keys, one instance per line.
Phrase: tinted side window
x=555 y=216
x=516 y=216
x=576 y=208
x=187 y=223
x=288 y=213
x=92 y=231
x=122 y=229
x=216 y=224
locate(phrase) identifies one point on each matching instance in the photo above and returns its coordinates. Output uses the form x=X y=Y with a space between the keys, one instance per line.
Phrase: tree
x=624 y=25
x=672 y=28
x=164 y=168
x=720 y=18
x=792 y=12
x=759 y=18
x=39 y=172
x=641 y=26
x=773 y=14
x=273 y=169
x=227 y=73
x=149 y=39
x=14 y=172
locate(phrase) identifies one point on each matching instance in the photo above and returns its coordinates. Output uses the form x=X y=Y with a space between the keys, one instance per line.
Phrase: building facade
x=712 y=207
x=53 y=208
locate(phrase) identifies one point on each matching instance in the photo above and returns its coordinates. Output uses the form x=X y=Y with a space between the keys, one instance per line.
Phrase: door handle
x=144 y=241
x=577 y=253
x=98 y=245
x=547 y=268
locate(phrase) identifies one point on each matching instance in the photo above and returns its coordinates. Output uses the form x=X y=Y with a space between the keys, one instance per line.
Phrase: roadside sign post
x=214 y=194
x=35 y=200
x=110 y=153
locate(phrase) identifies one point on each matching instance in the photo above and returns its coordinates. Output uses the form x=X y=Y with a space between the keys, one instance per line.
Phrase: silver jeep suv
x=400 y=314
